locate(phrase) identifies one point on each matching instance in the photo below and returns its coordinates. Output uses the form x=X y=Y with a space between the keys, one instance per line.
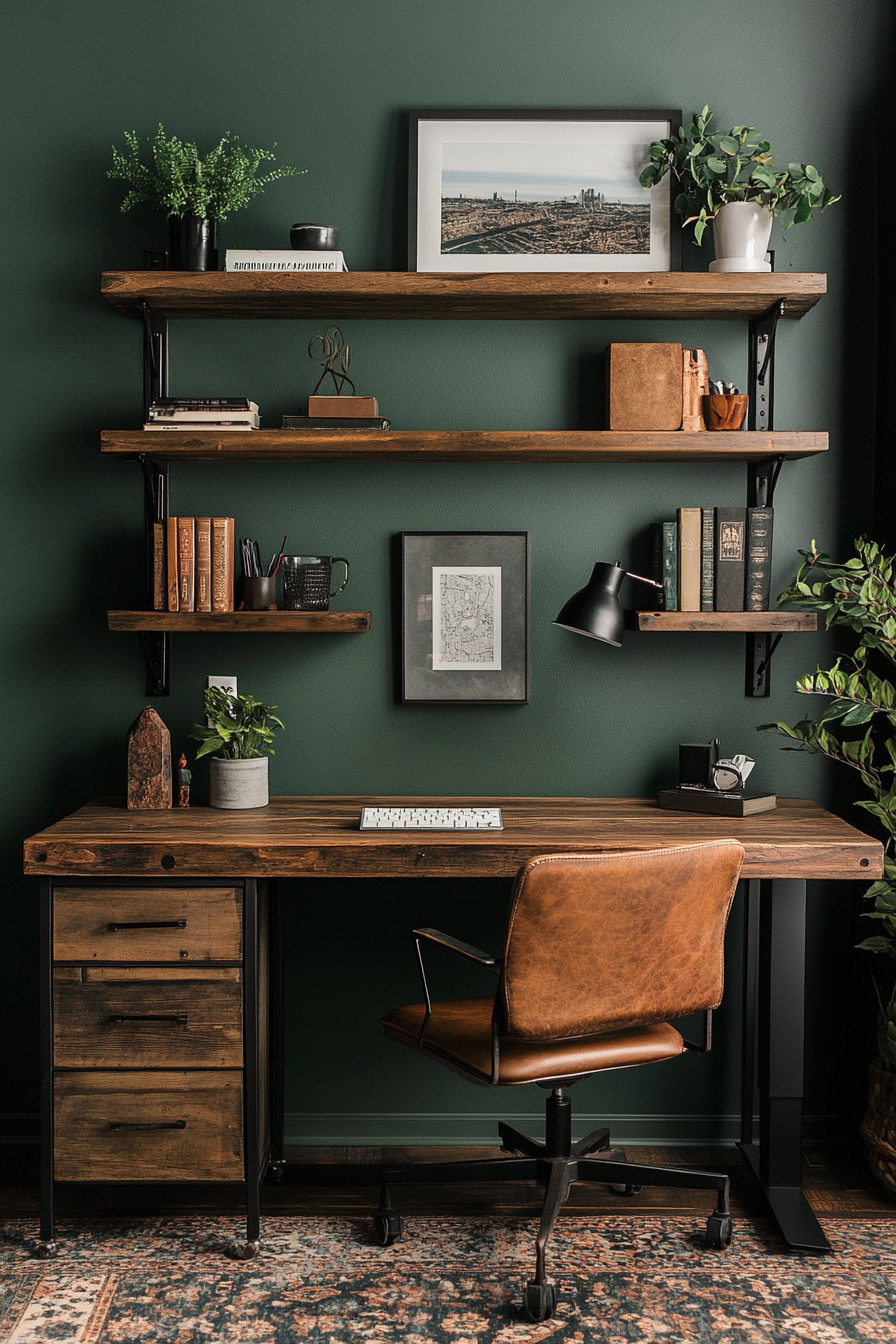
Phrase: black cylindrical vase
x=192 y=243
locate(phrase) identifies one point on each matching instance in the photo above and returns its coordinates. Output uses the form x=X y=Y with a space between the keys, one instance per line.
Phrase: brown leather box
x=644 y=382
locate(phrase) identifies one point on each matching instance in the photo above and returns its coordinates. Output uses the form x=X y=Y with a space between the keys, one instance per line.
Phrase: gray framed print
x=465 y=618
x=524 y=190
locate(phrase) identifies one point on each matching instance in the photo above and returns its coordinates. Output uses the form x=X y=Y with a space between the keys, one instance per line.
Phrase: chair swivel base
x=554 y=1164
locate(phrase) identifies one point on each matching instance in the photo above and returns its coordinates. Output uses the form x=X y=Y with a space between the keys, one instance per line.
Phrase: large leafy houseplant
x=237 y=727
x=857 y=724
x=180 y=182
x=715 y=169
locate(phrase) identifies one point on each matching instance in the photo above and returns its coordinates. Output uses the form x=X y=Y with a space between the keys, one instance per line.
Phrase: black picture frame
x=563 y=132
x=473 y=587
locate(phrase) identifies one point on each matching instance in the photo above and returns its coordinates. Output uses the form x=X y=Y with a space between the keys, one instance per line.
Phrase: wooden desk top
x=319 y=837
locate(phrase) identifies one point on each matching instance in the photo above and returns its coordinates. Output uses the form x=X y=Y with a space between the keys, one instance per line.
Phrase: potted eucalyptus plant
x=237 y=736
x=195 y=193
x=731 y=179
x=857 y=726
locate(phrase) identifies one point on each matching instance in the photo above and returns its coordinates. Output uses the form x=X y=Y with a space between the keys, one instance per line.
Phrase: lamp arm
x=640 y=577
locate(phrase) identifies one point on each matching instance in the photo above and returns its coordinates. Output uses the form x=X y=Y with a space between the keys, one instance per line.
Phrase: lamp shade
x=595 y=610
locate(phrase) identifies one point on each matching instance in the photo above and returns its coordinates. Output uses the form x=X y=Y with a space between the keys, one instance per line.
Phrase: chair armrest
x=459 y=949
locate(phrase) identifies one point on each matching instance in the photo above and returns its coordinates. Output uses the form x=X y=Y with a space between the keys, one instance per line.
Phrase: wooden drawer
x=203 y=924
x=94 y=1112
x=132 y=1017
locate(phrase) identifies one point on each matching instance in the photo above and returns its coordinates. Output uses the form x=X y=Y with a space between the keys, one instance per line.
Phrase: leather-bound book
x=159 y=587
x=644 y=385
x=670 y=566
x=690 y=539
x=186 y=563
x=203 y=564
x=171 y=552
x=759 y=559
x=694 y=387
x=222 y=564
x=707 y=563
x=730 y=557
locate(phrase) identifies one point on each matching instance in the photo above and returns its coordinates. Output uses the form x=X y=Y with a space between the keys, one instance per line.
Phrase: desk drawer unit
x=156 y=1035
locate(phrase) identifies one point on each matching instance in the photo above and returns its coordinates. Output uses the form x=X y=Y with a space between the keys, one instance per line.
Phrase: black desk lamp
x=595 y=610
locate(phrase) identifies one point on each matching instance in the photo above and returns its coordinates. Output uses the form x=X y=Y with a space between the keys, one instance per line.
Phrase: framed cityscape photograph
x=465 y=618
x=524 y=190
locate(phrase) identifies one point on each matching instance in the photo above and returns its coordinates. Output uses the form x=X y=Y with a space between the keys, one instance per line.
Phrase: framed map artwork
x=465 y=618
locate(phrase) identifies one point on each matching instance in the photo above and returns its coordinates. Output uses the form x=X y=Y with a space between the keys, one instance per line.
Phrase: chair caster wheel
x=243 y=1250
x=719 y=1229
x=386 y=1227
x=541 y=1301
x=46 y=1250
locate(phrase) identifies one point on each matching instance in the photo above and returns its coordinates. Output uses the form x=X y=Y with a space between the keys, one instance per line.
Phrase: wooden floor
x=838 y=1183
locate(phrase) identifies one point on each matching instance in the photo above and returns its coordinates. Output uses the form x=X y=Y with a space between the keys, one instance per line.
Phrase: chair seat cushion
x=460 y=1033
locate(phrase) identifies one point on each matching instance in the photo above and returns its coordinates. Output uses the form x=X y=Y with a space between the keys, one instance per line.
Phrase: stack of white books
x=282 y=259
x=213 y=414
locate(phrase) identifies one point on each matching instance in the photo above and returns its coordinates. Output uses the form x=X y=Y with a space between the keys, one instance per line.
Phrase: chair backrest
x=598 y=942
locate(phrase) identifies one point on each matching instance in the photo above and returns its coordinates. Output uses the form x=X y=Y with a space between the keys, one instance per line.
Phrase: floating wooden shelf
x=242 y=622
x=751 y=622
x=337 y=445
x=409 y=294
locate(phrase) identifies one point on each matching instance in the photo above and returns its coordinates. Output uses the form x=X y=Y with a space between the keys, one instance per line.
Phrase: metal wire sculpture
x=332 y=351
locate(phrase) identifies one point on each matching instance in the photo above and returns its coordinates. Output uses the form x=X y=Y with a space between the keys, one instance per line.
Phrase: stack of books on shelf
x=212 y=414
x=282 y=259
x=714 y=559
x=193 y=564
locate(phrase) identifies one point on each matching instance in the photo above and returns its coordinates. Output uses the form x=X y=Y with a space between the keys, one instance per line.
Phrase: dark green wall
x=332 y=85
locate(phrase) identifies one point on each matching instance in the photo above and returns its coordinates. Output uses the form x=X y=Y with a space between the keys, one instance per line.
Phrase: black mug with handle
x=306 y=581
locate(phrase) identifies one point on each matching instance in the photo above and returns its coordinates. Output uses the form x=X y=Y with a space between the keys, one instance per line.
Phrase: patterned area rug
x=457 y=1280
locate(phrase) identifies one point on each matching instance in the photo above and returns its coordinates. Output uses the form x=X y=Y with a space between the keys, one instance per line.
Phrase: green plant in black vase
x=857 y=727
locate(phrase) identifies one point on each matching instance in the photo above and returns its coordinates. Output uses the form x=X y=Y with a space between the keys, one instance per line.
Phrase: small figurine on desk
x=184 y=777
x=340 y=407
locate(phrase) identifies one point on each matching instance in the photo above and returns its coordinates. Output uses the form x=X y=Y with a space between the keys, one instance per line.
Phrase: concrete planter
x=740 y=235
x=239 y=784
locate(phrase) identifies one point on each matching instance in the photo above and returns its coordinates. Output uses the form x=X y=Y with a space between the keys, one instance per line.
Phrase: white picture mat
x=479 y=622
x=622 y=144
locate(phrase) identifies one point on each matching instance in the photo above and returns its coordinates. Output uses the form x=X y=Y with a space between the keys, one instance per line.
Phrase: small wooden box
x=644 y=382
x=343 y=407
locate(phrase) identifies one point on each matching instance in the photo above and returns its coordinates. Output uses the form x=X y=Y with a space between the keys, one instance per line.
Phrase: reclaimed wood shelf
x=410 y=294
x=749 y=622
x=339 y=445
x=242 y=622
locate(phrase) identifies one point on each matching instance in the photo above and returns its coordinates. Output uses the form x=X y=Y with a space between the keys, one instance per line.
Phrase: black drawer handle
x=152 y=924
x=158 y=1124
x=149 y=1017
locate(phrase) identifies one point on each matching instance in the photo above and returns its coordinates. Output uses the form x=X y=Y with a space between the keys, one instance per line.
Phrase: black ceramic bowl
x=314 y=237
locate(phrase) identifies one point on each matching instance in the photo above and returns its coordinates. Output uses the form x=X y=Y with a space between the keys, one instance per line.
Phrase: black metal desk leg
x=46 y=1246
x=777 y=1163
x=748 y=1025
x=248 y=1249
x=278 y=1159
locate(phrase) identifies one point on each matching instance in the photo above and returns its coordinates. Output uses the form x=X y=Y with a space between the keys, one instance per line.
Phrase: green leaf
x=860 y=714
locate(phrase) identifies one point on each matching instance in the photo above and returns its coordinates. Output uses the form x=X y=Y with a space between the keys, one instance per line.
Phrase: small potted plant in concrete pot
x=731 y=180
x=195 y=193
x=857 y=726
x=237 y=736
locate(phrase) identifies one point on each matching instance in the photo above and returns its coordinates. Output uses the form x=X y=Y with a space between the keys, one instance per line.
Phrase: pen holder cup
x=306 y=581
x=260 y=594
x=724 y=411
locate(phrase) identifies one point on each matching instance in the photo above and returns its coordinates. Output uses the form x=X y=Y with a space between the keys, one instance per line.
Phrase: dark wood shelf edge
x=241 y=622
x=742 y=622
x=464 y=445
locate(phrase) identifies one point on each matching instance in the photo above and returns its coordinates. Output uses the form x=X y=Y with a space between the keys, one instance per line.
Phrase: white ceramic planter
x=740 y=234
x=239 y=784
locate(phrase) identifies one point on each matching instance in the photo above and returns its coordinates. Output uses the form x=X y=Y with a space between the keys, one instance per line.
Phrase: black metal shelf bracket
x=761 y=378
x=155 y=356
x=156 y=645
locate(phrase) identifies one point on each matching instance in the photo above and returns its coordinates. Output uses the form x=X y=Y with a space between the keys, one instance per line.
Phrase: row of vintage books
x=715 y=559
x=193 y=562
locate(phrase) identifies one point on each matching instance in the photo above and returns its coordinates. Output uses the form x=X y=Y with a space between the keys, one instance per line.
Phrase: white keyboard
x=431 y=819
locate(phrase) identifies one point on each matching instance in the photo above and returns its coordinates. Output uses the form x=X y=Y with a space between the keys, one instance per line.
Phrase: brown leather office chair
x=602 y=950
